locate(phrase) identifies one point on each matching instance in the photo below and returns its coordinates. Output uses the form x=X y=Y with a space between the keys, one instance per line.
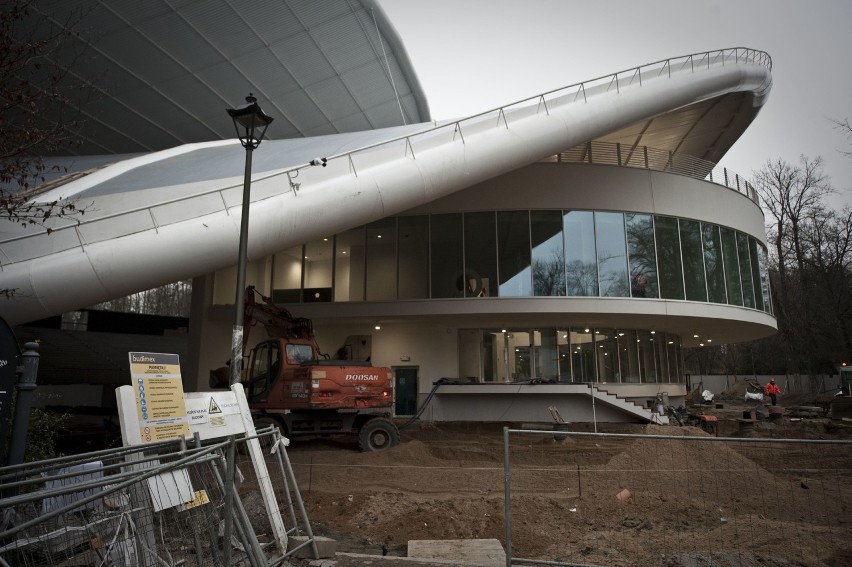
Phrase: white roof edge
x=354 y=189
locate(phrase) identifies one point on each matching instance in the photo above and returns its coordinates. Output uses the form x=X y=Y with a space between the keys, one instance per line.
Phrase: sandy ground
x=691 y=503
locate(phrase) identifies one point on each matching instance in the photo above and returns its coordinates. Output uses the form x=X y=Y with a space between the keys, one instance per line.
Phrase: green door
x=405 y=390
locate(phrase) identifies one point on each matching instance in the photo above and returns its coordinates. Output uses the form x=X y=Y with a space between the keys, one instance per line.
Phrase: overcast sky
x=473 y=55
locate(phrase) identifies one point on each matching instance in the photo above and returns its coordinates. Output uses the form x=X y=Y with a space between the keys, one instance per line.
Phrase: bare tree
x=37 y=116
x=846 y=129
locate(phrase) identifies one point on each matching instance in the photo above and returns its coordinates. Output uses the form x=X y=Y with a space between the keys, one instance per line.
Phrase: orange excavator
x=291 y=384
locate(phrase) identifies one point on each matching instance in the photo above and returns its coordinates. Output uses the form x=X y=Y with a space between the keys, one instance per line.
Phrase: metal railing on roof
x=643 y=157
x=66 y=234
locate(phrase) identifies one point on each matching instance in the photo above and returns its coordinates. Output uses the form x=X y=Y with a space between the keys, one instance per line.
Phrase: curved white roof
x=165 y=70
x=175 y=214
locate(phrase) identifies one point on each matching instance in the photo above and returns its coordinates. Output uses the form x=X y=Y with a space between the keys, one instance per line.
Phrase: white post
x=264 y=482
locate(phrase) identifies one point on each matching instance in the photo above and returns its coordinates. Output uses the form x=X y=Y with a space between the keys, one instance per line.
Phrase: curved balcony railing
x=66 y=234
x=643 y=157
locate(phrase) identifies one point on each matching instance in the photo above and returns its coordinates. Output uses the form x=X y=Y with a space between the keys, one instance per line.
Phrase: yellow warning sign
x=160 y=404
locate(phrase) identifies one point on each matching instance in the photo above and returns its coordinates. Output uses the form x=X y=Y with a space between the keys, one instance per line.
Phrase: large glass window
x=764 y=279
x=319 y=262
x=349 y=260
x=668 y=253
x=445 y=236
x=524 y=253
x=642 y=255
x=628 y=356
x=755 y=274
x=547 y=355
x=612 y=254
x=607 y=353
x=583 y=356
x=548 y=256
x=564 y=346
x=647 y=361
x=414 y=257
x=513 y=248
x=693 y=260
x=713 y=264
x=480 y=254
x=745 y=270
x=580 y=255
x=381 y=260
x=732 y=267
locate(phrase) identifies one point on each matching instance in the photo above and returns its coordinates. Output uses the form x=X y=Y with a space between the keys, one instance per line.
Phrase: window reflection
x=713 y=264
x=580 y=256
x=693 y=260
x=548 y=257
x=612 y=254
x=642 y=254
x=668 y=254
x=524 y=253
x=745 y=270
x=513 y=247
x=732 y=267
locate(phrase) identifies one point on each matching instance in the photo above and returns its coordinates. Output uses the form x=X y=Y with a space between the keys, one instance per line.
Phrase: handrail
x=644 y=157
x=715 y=57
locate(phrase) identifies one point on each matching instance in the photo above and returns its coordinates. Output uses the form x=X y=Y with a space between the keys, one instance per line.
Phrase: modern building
x=560 y=251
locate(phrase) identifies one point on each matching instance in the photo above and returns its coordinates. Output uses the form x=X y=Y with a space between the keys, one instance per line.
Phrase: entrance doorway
x=405 y=390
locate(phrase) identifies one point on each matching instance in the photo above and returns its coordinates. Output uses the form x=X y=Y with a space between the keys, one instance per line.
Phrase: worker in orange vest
x=772 y=390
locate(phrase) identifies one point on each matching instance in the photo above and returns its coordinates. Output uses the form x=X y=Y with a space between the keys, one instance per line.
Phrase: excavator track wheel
x=377 y=435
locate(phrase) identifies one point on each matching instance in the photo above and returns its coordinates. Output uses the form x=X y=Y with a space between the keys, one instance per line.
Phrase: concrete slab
x=325 y=546
x=478 y=552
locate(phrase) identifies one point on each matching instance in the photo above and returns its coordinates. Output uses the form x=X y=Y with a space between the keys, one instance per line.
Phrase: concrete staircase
x=627 y=406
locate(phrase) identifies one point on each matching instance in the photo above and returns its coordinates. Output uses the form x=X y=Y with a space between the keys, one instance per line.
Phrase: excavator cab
x=263 y=372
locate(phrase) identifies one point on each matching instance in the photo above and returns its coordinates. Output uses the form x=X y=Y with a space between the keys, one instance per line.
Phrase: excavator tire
x=264 y=421
x=377 y=435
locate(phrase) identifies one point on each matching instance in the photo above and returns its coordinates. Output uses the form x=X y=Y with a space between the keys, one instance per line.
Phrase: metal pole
x=26 y=386
x=240 y=300
x=507 y=497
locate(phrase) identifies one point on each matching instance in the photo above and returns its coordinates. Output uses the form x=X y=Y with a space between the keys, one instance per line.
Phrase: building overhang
x=716 y=322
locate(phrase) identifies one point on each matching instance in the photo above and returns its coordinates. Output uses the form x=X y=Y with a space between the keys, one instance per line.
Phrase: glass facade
x=552 y=253
x=569 y=355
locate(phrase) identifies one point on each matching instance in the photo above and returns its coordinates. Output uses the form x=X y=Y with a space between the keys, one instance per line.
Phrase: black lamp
x=248 y=120
x=250 y=123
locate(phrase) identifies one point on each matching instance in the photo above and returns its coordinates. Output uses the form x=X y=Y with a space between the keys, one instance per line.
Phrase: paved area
x=424 y=553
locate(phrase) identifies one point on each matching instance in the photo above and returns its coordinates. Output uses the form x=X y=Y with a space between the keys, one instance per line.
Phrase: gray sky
x=473 y=55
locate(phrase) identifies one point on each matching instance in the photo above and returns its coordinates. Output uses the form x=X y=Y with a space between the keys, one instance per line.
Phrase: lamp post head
x=250 y=122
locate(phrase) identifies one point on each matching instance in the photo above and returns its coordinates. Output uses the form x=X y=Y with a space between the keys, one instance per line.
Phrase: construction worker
x=772 y=390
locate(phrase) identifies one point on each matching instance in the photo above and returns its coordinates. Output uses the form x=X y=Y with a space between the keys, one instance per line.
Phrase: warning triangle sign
x=214 y=407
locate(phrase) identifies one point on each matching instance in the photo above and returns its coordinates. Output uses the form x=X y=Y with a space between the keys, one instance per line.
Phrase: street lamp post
x=250 y=123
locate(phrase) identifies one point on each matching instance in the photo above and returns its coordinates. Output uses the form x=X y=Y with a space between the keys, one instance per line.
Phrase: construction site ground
x=444 y=481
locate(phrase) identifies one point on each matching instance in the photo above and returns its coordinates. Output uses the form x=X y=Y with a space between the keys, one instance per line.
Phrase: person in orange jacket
x=772 y=390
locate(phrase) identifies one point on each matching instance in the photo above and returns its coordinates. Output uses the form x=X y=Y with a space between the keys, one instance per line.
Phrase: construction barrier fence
x=686 y=499
x=161 y=504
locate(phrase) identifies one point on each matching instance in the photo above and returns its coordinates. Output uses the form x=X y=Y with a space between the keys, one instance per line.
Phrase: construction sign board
x=158 y=388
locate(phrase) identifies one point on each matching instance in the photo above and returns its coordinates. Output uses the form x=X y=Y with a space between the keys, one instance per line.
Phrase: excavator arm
x=278 y=321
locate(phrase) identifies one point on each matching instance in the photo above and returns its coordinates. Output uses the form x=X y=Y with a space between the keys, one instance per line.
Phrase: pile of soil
x=690 y=502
